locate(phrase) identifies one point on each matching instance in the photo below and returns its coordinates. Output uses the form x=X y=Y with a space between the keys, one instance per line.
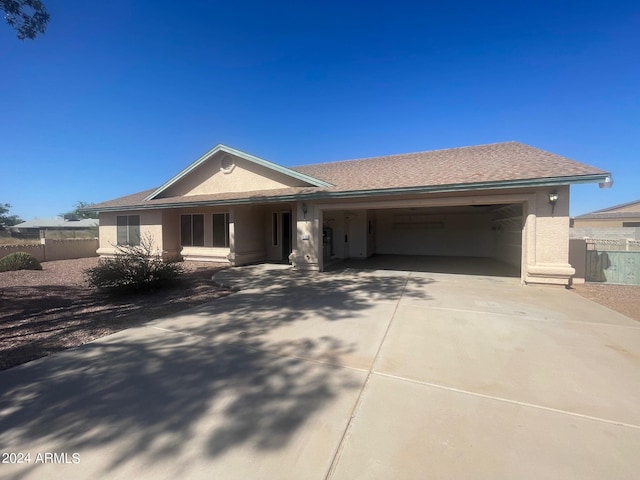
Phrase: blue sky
x=119 y=96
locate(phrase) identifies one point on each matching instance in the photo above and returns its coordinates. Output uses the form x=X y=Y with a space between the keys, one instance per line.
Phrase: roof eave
x=460 y=187
x=537 y=182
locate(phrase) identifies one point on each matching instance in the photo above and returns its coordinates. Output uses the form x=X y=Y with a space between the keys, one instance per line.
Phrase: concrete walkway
x=344 y=375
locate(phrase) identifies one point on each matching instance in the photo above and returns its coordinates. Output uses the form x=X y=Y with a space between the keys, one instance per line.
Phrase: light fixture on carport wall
x=553 y=199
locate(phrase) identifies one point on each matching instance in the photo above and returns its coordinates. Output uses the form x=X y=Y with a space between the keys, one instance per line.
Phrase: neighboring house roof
x=499 y=165
x=623 y=210
x=57 y=223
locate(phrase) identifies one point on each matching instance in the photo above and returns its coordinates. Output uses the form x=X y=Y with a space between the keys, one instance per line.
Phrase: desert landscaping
x=49 y=310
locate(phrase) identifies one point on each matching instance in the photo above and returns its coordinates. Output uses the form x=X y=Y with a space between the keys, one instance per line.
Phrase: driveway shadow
x=143 y=396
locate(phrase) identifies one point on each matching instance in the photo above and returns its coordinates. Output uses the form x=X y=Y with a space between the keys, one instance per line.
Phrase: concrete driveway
x=346 y=375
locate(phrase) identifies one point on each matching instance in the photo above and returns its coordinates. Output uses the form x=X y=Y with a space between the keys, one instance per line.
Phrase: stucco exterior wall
x=171 y=233
x=546 y=253
x=578 y=259
x=545 y=235
x=335 y=220
x=307 y=252
x=602 y=222
x=244 y=177
x=247 y=235
x=49 y=250
x=420 y=232
x=150 y=227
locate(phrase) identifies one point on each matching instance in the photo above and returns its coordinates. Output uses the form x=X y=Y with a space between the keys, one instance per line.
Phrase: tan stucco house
x=618 y=216
x=505 y=201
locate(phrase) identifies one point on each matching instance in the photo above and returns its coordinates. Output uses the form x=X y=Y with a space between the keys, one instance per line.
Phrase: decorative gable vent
x=227 y=163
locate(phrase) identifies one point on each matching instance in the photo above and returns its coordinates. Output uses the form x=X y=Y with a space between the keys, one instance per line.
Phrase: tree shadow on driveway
x=147 y=397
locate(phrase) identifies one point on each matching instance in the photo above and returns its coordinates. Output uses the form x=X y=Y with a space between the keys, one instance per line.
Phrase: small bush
x=134 y=269
x=19 y=261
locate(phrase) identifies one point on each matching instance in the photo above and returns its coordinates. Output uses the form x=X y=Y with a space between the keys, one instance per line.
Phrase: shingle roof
x=57 y=223
x=485 y=163
x=610 y=212
x=505 y=164
x=591 y=216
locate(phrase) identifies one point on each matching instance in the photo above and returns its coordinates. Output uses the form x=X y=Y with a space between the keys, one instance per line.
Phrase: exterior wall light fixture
x=553 y=199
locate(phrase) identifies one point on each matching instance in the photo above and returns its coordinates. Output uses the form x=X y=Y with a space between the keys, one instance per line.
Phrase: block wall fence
x=50 y=250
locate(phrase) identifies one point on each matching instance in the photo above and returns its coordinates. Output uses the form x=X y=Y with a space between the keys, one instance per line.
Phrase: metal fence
x=613 y=261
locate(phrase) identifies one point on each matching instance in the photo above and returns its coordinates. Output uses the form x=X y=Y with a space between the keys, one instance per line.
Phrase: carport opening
x=471 y=239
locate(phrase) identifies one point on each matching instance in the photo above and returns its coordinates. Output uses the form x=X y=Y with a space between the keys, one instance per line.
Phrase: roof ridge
x=616 y=206
x=410 y=153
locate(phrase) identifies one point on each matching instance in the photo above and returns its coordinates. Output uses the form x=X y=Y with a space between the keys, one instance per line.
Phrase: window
x=274 y=229
x=192 y=230
x=221 y=230
x=631 y=224
x=128 y=229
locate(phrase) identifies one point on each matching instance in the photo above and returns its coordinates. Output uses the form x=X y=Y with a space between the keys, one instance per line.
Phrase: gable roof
x=498 y=165
x=631 y=210
x=250 y=158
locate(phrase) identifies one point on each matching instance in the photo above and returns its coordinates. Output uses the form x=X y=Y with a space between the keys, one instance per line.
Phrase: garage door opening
x=472 y=239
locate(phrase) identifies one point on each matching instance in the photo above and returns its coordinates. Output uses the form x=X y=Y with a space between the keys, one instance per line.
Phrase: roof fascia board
x=541 y=182
x=537 y=182
x=251 y=158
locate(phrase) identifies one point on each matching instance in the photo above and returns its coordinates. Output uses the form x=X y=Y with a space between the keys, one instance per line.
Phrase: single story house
x=505 y=201
x=618 y=216
x=66 y=224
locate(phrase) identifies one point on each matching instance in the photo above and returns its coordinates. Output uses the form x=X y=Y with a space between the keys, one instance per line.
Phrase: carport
x=470 y=235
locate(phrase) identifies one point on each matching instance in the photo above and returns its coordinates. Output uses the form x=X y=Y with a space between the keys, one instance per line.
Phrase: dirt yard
x=42 y=312
x=621 y=298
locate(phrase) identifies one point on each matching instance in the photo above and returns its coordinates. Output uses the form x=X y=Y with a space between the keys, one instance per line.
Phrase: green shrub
x=135 y=268
x=19 y=261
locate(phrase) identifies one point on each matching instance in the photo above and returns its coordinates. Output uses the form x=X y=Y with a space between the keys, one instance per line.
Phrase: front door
x=286 y=236
x=347 y=231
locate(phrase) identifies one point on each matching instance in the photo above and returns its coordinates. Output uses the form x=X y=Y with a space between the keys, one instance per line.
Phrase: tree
x=79 y=213
x=8 y=220
x=28 y=17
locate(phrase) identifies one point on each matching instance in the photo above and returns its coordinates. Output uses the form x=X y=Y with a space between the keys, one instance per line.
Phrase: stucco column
x=306 y=255
x=548 y=260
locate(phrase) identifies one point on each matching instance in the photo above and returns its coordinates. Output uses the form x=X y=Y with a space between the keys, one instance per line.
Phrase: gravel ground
x=621 y=298
x=42 y=312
